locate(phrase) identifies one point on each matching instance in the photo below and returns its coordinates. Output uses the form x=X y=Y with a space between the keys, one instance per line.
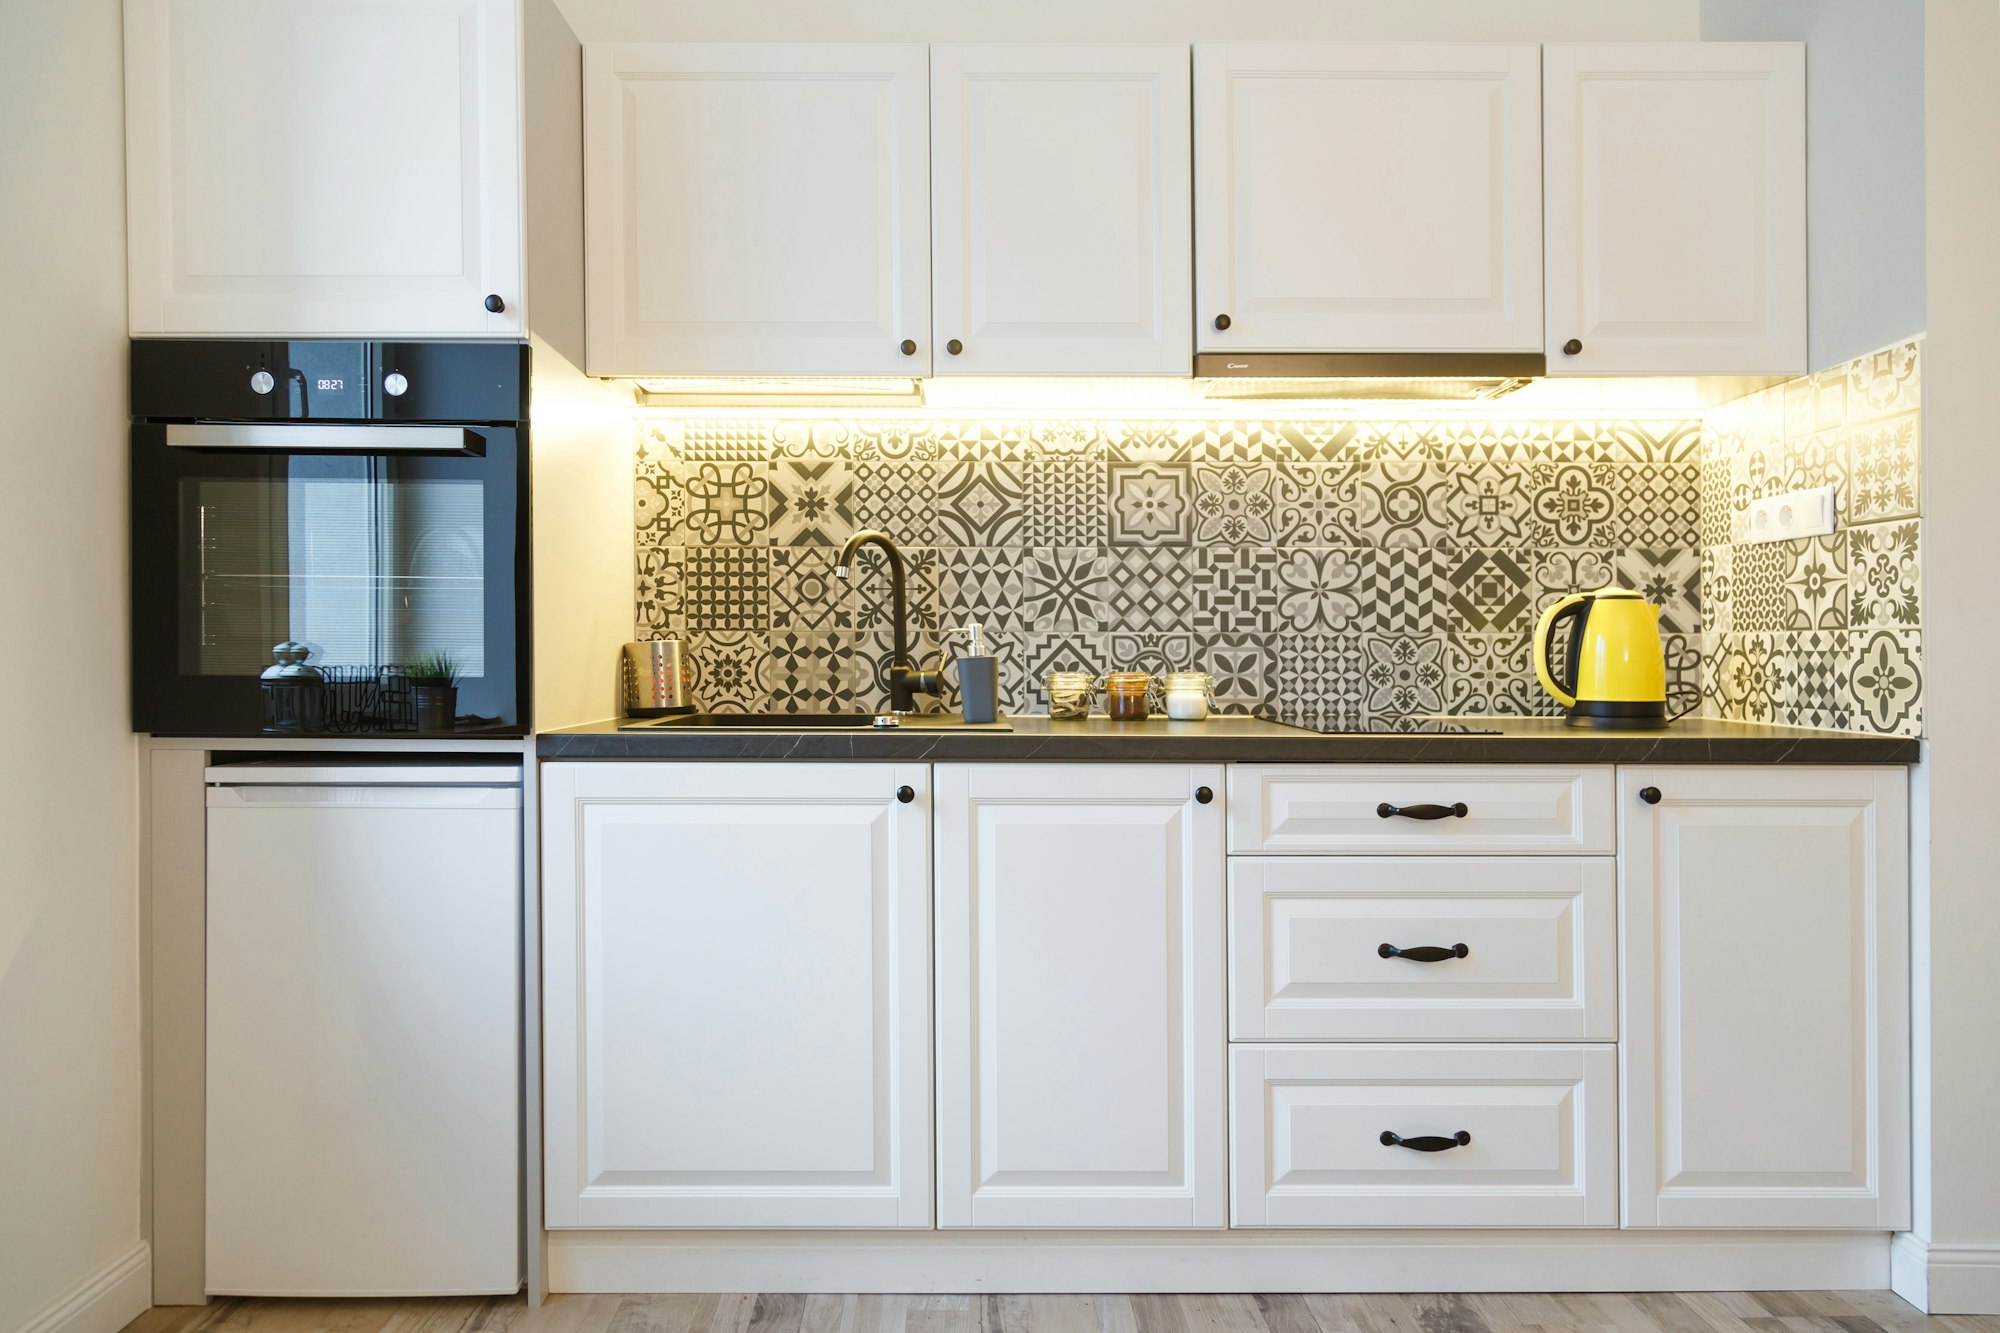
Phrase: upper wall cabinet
x=757 y=209
x=1676 y=208
x=1368 y=198
x=1060 y=182
x=330 y=167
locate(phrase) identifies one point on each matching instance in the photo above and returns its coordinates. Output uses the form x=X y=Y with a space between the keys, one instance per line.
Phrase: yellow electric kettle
x=1614 y=674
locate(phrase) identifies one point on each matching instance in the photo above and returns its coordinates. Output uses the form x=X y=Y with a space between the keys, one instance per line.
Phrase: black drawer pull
x=1423 y=953
x=1456 y=810
x=1428 y=1143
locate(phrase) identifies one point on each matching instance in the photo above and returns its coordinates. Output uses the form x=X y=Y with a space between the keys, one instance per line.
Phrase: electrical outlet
x=1779 y=518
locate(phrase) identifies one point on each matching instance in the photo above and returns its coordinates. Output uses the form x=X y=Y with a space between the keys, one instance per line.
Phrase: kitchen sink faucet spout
x=905 y=681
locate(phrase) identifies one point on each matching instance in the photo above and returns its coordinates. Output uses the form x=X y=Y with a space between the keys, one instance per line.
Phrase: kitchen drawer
x=1514 y=809
x=1306 y=937
x=1307 y=1125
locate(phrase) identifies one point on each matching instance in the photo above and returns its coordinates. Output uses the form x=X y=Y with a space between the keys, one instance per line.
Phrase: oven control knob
x=395 y=384
x=261 y=382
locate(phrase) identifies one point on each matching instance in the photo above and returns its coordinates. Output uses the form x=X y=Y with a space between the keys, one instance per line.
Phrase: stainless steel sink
x=808 y=722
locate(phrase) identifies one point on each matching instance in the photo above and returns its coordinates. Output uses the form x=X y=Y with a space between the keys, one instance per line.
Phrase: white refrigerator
x=364 y=1002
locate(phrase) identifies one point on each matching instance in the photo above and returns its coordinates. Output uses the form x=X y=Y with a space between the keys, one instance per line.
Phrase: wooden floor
x=1699 y=1312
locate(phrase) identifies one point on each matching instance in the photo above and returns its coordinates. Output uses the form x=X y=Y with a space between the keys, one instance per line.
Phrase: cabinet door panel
x=736 y=995
x=324 y=167
x=1765 y=997
x=1080 y=1033
x=1060 y=209
x=1676 y=218
x=756 y=209
x=1368 y=198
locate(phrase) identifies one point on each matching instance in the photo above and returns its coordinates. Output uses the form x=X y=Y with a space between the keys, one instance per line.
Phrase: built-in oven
x=325 y=534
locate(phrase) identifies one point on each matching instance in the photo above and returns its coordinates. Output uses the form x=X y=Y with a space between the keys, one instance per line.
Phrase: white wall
x=1131 y=20
x=69 y=968
x=1957 y=886
x=1864 y=160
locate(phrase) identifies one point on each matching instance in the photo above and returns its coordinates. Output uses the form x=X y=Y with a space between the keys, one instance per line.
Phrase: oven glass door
x=371 y=560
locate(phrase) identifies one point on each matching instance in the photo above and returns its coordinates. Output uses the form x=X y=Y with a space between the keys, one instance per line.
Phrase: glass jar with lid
x=1071 y=694
x=1189 y=695
x=1128 y=695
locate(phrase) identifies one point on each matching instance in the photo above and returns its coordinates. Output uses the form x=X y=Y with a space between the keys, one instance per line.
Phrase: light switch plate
x=1778 y=518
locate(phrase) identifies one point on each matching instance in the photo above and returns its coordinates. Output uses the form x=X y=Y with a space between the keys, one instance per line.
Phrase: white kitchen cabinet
x=324 y=167
x=1765 y=997
x=1378 y=198
x=757 y=209
x=1060 y=200
x=1412 y=1136
x=1675 y=215
x=736 y=994
x=1080 y=996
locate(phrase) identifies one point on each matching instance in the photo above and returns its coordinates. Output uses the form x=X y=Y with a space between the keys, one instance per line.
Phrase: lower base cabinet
x=1422 y=1136
x=1080 y=996
x=736 y=987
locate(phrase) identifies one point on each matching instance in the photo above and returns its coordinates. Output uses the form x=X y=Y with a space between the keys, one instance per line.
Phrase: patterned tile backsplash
x=1334 y=573
x=1821 y=631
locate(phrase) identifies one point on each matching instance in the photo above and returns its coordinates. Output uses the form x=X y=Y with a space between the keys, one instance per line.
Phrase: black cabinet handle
x=906 y=794
x=1428 y=1143
x=1423 y=953
x=1456 y=810
x=1572 y=347
x=954 y=347
x=1203 y=795
x=1222 y=321
x=495 y=304
x=1650 y=795
x=909 y=347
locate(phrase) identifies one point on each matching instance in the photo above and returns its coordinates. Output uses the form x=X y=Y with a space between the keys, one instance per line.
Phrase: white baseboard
x=969 y=1262
x=1945 y=1279
x=104 y=1302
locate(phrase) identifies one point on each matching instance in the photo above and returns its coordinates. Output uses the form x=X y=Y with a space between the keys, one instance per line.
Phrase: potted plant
x=434 y=686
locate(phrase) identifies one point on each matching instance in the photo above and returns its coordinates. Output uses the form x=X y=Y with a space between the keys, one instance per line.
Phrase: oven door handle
x=288 y=437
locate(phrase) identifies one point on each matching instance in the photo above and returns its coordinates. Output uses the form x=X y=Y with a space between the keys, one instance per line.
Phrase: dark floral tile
x=875 y=590
x=1816 y=584
x=807 y=597
x=1151 y=442
x=1884 y=383
x=1883 y=576
x=1559 y=573
x=661 y=592
x=728 y=670
x=1235 y=503
x=1066 y=587
x=1751 y=677
x=1243 y=671
x=1487 y=504
x=1670 y=579
x=1318 y=590
x=1883 y=475
x=1154 y=653
x=659 y=506
x=1075 y=440
x=1575 y=505
x=1492 y=675
x=814 y=501
x=1888 y=681
x=1403 y=673
x=981 y=502
x=727 y=504
x=1407 y=504
x=1151 y=502
x=1325 y=504
x=1718 y=589
x=892 y=442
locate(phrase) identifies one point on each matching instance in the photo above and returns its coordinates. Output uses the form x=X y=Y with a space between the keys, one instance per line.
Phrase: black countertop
x=1245 y=740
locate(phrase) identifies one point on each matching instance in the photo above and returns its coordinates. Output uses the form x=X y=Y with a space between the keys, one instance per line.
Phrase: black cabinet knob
x=1650 y=795
x=1203 y=795
x=954 y=347
x=906 y=794
x=909 y=347
x=1572 y=347
x=495 y=304
x=1221 y=322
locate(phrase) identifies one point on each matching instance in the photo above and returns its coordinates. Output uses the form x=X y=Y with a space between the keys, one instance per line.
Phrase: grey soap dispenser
x=978 y=676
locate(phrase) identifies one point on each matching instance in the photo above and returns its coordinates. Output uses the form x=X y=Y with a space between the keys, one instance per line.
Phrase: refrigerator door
x=363 y=1036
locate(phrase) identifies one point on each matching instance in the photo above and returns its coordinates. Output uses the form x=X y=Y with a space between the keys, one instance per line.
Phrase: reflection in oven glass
x=366 y=569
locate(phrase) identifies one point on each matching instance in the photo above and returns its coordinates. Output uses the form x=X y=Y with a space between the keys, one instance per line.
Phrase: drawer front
x=1307 y=1125
x=1306 y=937
x=1352 y=808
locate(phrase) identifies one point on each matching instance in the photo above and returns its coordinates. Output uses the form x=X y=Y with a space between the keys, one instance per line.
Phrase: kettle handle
x=1563 y=608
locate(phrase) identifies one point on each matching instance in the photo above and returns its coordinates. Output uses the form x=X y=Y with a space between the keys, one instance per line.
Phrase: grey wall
x=1864 y=160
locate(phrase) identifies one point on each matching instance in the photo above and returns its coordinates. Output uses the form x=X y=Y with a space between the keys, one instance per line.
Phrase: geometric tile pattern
x=1344 y=573
x=1821 y=631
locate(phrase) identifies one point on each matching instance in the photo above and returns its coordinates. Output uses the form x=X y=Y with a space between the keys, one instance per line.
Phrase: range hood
x=1399 y=376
